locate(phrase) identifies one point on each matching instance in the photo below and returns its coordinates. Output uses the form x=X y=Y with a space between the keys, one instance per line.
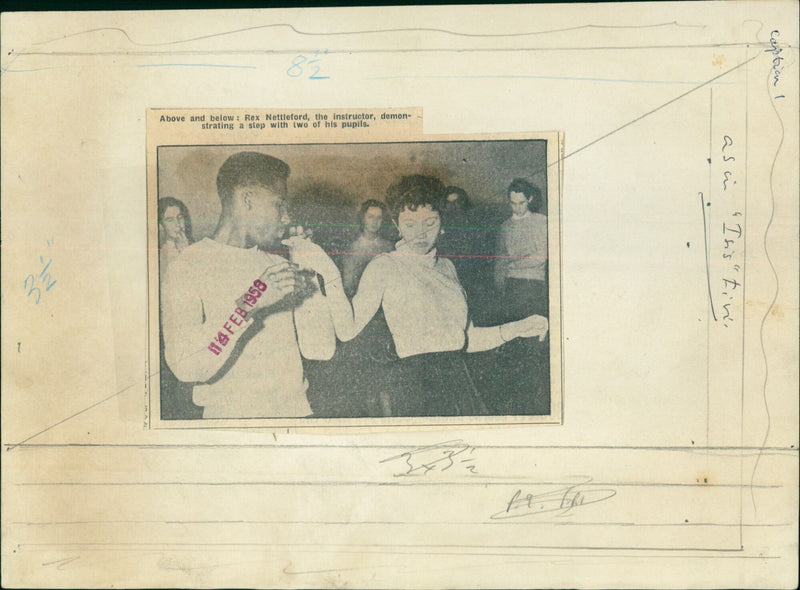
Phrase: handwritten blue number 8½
x=296 y=69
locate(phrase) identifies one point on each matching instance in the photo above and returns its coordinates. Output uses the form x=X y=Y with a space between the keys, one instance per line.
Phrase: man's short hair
x=415 y=191
x=520 y=185
x=250 y=169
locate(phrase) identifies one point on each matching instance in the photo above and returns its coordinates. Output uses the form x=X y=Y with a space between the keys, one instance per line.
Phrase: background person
x=174 y=235
x=372 y=218
x=521 y=254
x=464 y=242
x=517 y=381
x=359 y=365
x=174 y=231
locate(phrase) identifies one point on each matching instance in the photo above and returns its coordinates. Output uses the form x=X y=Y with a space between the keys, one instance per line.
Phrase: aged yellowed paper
x=634 y=425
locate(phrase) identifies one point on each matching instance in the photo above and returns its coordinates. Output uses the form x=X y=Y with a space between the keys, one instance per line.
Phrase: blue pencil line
x=539 y=77
x=7 y=71
x=194 y=66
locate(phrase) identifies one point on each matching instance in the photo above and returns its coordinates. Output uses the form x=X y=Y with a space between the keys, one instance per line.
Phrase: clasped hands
x=308 y=255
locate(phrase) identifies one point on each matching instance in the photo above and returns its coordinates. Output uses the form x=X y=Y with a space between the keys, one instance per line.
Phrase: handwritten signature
x=439 y=457
x=562 y=500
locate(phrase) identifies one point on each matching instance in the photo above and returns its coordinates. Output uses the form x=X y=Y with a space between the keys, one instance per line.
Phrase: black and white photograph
x=371 y=280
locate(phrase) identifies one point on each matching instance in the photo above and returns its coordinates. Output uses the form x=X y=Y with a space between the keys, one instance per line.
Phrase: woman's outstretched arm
x=349 y=318
x=480 y=339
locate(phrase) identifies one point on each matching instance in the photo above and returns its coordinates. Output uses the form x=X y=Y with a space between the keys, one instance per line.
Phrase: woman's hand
x=306 y=254
x=529 y=327
x=301 y=232
x=181 y=241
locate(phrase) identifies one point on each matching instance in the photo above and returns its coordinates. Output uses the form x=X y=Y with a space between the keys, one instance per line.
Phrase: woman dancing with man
x=424 y=305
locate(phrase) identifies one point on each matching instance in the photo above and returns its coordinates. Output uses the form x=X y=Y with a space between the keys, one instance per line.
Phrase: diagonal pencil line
x=655 y=110
x=79 y=412
x=68 y=418
x=580 y=149
x=86 y=409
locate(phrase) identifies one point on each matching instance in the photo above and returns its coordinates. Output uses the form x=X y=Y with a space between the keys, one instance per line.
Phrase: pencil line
x=707 y=553
x=371 y=483
x=400 y=50
x=722 y=451
x=744 y=300
x=384 y=545
x=78 y=413
x=705 y=244
x=774 y=296
x=397 y=522
x=658 y=108
x=302 y=32
x=708 y=264
x=533 y=77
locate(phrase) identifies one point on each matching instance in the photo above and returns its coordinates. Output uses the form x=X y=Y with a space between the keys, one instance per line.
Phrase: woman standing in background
x=174 y=231
x=174 y=236
x=372 y=218
x=521 y=262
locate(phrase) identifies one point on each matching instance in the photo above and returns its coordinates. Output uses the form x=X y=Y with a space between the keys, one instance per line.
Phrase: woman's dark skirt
x=367 y=379
x=433 y=384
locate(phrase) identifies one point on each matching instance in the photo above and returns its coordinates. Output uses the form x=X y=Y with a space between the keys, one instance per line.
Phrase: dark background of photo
x=337 y=178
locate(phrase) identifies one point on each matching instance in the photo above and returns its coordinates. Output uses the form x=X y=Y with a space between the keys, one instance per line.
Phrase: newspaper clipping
x=338 y=268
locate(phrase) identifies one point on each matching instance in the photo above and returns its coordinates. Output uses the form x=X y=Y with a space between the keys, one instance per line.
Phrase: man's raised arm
x=196 y=345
